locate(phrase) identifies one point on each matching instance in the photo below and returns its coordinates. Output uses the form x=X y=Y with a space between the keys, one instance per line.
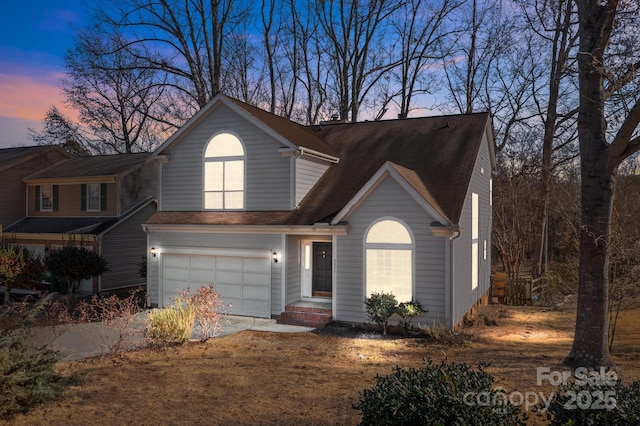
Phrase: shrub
x=116 y=314
x=19 y=268
x=171 y=325
x=73 y=264
x=209 y=310
x=444 y=394
x=595 y=404
x=27 y=376
x=379 y=308
x=408 y=310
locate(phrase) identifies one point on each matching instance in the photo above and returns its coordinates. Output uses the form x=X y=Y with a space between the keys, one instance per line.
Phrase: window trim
x=389 y=246
x=99 y=197
x=224 y=160
x=50 y=198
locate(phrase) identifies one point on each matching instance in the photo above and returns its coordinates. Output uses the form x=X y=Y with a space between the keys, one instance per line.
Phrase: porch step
x=306 y=316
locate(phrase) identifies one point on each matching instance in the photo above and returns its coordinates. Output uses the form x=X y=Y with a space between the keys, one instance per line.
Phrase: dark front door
x=321 y=273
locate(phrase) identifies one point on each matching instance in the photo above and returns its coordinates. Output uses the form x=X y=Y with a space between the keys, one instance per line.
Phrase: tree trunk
x=590 y=344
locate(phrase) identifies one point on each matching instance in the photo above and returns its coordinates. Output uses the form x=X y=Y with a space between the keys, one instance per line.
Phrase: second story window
x=93 y=197
x=224 y=186
x=46 y=198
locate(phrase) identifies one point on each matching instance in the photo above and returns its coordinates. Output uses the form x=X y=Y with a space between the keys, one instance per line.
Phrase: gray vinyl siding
x=308 y=171
x=463 y=296
x=124 y=247
x=13 y=189
x=217 y=241
x=138 y=185
x=267 y=172
x=294 y=268
x=389 y=200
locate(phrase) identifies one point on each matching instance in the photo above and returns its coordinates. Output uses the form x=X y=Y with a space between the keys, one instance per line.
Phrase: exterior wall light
x=275 y=257
x=153 y=251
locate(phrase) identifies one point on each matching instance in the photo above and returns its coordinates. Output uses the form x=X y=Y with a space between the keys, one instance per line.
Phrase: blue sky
x=34 y=36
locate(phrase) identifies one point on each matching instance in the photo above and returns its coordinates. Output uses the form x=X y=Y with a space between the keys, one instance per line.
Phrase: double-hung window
x=46 y=198
x=93 y=197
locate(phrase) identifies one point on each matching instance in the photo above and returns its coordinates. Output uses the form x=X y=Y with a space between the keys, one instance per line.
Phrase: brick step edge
x=307 y=319
x=291 y=308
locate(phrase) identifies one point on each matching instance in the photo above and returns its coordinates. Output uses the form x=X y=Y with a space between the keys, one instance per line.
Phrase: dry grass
x=310 y=378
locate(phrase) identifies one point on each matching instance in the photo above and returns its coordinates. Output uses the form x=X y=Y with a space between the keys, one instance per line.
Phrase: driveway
x=86 y=340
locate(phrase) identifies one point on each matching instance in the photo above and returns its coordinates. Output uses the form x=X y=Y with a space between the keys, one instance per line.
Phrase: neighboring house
x=303 y=223
x=16 y=164
x=98 y=202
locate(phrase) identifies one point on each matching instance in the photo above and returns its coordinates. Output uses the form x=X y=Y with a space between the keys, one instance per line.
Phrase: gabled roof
x=408 y=180
x=289 y=133
x=10 y=157
x=435 y=155
x=82 y=168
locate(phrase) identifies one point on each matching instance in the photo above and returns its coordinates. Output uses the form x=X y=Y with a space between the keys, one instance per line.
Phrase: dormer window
x=224 y=186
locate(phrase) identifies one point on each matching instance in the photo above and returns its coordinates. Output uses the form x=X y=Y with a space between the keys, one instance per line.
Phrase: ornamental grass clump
x=171 y=325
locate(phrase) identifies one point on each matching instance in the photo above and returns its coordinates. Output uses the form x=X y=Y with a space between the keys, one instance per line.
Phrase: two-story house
x=98 y=202
x=16 y=164
x=302 y=223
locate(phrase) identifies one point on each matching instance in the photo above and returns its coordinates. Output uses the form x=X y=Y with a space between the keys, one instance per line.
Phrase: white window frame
x=475 y=224
x=388 y=249
x=95 y=198
x=46 y=194
x=225 y=163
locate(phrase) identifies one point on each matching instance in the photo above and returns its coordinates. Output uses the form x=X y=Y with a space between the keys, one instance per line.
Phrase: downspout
x=451 y=271
x=146 y=231
x=99 y=283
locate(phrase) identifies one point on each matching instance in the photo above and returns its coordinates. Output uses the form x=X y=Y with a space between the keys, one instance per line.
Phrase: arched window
x=389 y=259
x=224 y=160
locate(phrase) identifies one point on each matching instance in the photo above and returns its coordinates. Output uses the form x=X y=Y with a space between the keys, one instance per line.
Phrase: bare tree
x=420 y=29
x=116 y=96
x=513 y=206
x=483 y=36
x=354 y=30
x=553 y=23
x=185 y=40
x=624 y=246
x=61 y=130
x=309 y=62
x=600 y=155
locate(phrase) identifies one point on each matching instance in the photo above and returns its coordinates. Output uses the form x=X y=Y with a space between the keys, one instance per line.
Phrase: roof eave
x=340 y=229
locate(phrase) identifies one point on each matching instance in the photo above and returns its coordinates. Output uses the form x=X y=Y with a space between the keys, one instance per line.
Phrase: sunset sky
x=34 y=36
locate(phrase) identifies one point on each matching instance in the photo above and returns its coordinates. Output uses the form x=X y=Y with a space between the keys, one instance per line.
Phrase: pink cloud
x=28 y=97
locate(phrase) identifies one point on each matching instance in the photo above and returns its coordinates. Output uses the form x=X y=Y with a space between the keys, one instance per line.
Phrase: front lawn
x=311 y=378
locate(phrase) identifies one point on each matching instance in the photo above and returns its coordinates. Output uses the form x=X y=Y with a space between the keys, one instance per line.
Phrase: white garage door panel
x=226 y=263
x=256 y=264
x=202 y=276
x=177 y=261
x=255 y=292
x=243 y=282
x=229 y=291
x=207 y=263
x=226 y=277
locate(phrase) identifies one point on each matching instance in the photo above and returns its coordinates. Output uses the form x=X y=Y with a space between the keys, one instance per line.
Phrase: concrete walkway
x=86 y=340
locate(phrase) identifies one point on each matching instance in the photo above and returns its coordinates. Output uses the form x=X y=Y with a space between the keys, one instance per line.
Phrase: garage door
x=242 y=281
